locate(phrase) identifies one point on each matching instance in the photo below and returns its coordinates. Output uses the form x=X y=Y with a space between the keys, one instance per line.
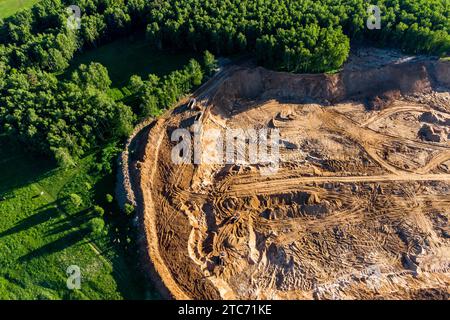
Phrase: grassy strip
x=9 y=7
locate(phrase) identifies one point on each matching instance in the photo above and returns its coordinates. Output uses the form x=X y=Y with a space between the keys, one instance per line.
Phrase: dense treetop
x=69 y=117
x=302 y=35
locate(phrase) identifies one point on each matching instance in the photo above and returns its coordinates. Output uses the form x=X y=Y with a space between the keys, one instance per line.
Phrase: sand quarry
x=359 y=207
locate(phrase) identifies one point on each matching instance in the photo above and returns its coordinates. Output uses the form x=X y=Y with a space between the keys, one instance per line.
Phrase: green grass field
x=9 y=7
x=128 y=56
x=40 y=236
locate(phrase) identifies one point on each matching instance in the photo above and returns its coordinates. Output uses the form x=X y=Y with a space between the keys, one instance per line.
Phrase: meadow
x=8 y=7
x=131 y=55
x=42 y=234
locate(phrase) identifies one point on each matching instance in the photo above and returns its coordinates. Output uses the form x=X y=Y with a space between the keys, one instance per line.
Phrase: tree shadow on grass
x=19 y=167
x=72 y=228
x=57 y=245
x=75 y=229
x=43 y=214
x=71 y=221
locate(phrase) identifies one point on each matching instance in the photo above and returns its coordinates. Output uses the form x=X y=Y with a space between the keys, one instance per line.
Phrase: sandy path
x=272 y=185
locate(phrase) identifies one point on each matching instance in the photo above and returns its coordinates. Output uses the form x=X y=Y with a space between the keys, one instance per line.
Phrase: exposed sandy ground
x=359 y=207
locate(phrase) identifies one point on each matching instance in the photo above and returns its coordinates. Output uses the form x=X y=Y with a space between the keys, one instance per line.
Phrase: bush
x=63 y=158
x=99 y=211
x=109 y=198
x=129 y=209
x=76 y=199
x=96 y=226
x=209 y=62
x=106 y=158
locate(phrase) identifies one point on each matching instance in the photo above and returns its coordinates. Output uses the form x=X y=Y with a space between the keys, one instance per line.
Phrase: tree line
x=299 y=36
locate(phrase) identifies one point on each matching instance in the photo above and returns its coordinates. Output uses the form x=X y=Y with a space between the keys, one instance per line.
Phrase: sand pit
x=358 y=206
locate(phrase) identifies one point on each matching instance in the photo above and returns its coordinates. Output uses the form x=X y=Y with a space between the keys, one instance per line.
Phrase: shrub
x=96 y=226
x=109 y=198
x=129 y=209
x=99 y=211
x=76 y=199
x=209 y=62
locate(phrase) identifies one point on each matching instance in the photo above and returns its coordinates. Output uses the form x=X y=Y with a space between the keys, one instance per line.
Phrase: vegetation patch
x=130 y=56
x=43 y=231
x=9 y=7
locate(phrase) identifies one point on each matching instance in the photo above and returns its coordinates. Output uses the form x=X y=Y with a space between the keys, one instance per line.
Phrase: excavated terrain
x=358 y=208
